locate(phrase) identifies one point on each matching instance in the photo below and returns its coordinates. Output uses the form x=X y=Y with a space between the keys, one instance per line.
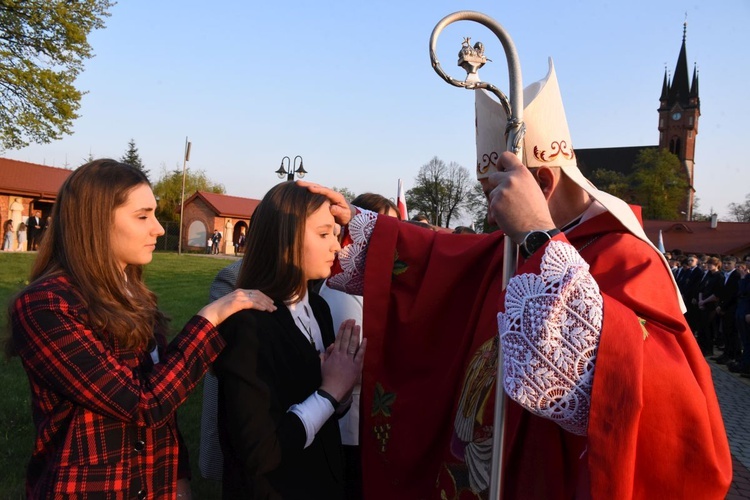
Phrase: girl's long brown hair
x=77 y=244
x=275 y=242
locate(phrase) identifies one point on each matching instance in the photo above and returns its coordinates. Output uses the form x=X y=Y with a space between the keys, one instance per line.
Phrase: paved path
x=733 y=392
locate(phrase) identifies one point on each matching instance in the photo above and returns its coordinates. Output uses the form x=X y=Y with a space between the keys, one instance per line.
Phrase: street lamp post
x=289 y=170
x=182 y=196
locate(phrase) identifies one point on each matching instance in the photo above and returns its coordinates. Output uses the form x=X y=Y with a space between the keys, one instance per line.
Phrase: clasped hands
x=341 y=364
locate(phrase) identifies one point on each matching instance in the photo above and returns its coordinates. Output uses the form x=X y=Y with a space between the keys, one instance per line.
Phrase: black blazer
x=711 y=285
x=728 y=291
x=31 y=224
x=693 y=283
x=267 y=366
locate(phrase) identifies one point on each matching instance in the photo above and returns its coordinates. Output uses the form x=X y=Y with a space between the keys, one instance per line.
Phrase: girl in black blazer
x=708 y=298
x=283 y=377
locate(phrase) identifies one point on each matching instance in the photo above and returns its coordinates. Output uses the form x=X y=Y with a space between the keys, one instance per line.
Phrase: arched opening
x=197 y=234
x=238 y=237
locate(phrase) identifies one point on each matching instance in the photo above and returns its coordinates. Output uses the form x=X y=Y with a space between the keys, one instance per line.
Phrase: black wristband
x=331 y=399
x=534 y=240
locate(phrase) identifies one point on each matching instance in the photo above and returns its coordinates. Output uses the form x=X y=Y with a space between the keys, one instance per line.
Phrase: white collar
x=306 y=324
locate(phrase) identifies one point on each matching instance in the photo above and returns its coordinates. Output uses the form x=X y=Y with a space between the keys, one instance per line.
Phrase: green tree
x=131 y=157
x=610 y=181
x=741 y=211
x=440 y=191
x=346 y=192
x=168 y=190
x=43 y=44
x=659 y=184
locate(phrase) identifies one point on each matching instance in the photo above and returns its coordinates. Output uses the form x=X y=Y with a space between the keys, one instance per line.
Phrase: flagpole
x=515 y=131
x=182 y=196
x=401 y=201
x=661 y=242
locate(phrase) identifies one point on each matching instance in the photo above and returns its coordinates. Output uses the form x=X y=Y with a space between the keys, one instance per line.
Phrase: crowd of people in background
x=716 y=292
x=24 y=235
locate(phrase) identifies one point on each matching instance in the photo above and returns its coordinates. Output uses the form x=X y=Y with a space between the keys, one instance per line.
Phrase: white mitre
x=546 y=143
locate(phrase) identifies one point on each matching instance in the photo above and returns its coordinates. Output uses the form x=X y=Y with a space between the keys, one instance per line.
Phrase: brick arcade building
x=28 y=187
x=206 y=211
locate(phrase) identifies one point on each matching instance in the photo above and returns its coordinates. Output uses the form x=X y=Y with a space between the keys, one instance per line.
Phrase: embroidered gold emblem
x=557 y=148
x=399 y=266
x=381 y=405
x=488 y=160
x=382 y=435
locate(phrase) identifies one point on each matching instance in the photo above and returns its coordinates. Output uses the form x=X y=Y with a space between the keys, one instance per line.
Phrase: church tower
x=679 y=110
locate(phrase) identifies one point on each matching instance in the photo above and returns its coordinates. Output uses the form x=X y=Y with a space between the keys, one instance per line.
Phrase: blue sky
x=349 y=86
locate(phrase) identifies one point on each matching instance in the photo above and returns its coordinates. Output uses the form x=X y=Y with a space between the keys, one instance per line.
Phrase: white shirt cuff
x=313 y=412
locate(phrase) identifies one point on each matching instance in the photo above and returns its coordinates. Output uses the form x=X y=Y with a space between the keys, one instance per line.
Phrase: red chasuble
x=431 y=304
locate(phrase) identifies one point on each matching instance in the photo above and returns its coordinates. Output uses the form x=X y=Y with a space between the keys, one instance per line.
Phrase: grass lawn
x=181 y=282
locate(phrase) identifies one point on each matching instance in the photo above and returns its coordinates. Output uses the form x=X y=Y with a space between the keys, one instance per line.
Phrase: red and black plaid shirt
x=104 y=416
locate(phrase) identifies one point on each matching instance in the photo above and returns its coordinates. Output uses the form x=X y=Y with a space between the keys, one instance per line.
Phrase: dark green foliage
x=131 y=157
x=614 y=183
x=168 y=191
x=43 y=44
x=659 y=184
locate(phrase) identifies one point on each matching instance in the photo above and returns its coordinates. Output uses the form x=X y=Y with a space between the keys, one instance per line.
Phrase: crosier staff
x=471 y=59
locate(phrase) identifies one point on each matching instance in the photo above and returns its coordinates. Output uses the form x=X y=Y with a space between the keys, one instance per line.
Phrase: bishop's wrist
x=534 y=240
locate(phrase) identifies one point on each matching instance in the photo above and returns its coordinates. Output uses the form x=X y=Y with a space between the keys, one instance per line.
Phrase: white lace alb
x=549 y=334
x=549 y=331
x=352 y=257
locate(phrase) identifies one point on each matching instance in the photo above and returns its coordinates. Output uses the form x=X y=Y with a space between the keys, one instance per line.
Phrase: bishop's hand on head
x=517 y=203
x=341 y=209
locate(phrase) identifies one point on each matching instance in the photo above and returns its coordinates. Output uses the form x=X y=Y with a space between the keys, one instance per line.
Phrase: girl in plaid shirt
x=105 y=385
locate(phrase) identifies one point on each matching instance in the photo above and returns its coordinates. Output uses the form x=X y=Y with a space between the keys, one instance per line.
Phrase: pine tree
x=131 y=157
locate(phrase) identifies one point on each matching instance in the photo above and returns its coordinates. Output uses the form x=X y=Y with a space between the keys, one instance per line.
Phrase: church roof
x=727 y=238
x=679 y=91
x=227 y=206
x=619 y=159
x=30 y=179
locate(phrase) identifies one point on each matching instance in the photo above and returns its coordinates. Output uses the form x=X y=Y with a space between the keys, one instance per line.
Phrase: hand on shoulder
x=220 y=309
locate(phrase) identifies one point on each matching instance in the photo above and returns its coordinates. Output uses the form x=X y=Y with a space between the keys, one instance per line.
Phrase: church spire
x=679 y=91
x=664 y=86
x=679 y=111
x=694 y=85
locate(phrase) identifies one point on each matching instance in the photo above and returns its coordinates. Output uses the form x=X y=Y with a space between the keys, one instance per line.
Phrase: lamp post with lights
x=289 y=170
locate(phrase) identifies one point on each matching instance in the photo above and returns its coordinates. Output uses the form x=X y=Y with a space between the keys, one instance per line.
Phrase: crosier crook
x=471 y=61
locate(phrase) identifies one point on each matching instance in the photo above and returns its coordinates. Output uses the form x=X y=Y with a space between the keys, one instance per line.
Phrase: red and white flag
x=401 y=202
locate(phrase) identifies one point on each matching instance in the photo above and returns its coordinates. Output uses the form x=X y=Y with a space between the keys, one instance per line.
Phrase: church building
x=679 y=110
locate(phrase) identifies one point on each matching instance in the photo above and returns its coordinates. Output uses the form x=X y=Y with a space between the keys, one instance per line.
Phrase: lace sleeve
x=549 y=334
x=352 y=256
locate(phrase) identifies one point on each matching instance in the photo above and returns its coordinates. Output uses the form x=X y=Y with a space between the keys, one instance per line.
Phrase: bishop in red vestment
x=609 y=395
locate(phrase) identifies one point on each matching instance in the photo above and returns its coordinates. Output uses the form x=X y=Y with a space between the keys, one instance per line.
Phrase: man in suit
x=727 y=309
x=34 y=228
x=690 y=278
